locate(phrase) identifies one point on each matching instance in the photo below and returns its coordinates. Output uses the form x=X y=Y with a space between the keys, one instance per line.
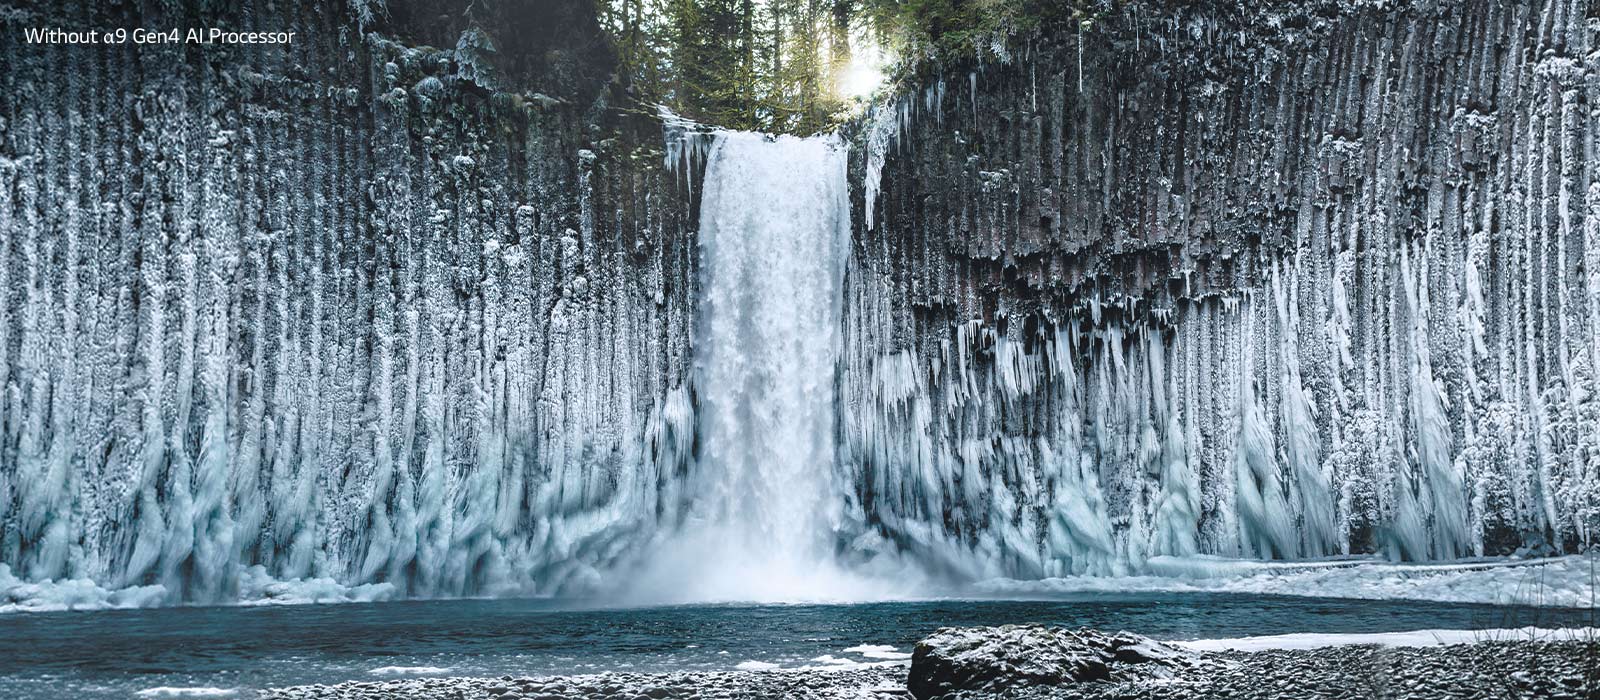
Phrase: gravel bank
x=870 y=683
x=1498 y=670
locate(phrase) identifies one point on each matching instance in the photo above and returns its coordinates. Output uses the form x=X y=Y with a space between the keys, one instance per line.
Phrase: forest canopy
x=794 y=66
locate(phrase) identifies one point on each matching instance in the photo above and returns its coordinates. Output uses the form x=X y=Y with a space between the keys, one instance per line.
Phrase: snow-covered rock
x=1011 y=656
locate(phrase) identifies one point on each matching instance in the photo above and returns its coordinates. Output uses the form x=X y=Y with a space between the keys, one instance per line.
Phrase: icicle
x=972 y=80
x=882 y=131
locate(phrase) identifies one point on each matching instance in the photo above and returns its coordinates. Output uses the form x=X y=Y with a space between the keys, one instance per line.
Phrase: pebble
x=1503 y=670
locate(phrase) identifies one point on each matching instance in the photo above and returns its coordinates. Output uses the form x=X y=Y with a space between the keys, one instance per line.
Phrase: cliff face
x=1290 y=279
x=344 y=309
x=1285 y=280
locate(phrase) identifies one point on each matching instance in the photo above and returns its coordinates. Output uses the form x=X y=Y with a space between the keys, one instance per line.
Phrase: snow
x=826 y=662
x=831 y=660
x=878 y=651
x=187 y=692
x=409 y=671
x=1559 y=582
x=1416 y=638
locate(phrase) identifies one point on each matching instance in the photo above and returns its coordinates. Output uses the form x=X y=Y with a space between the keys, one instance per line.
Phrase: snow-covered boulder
x=995 y=658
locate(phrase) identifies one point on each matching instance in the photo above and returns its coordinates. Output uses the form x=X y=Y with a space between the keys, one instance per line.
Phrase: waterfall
x=774 y=223
x=416 y=341
x=774 y=234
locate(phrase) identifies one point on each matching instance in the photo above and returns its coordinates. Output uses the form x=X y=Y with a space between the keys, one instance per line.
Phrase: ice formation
x=1565 y=582
x=1303 y=314
x=1105 y=445
x=347 y=336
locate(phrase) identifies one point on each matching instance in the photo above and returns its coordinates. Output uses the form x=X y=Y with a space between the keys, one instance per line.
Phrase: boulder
x=996 y=658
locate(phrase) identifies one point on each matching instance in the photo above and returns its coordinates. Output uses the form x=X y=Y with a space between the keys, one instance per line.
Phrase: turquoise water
x=117 y=653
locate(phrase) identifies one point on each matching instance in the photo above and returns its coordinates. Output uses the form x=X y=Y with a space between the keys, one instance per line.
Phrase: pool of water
x=119 y=653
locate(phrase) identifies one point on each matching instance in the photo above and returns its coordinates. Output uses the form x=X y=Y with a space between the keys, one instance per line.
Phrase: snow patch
x=877 y=651
x=1560 y=582
x=194 y=692
x=409 y=671
x=833 y=663
x=831 y=660
x=1417 y=638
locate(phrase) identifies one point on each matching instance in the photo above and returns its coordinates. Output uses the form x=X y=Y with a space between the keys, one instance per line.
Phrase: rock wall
x=1266 y=279
x=353 y=309
x=358 y=317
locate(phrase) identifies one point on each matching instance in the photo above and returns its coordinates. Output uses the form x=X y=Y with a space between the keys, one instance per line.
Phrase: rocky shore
x=1027 y=662
x=870 y=683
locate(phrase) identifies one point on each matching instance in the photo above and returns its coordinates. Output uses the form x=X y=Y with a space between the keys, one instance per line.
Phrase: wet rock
x=996 y=658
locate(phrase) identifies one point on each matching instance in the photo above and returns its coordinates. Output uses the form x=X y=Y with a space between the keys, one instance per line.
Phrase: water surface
x=117 y=653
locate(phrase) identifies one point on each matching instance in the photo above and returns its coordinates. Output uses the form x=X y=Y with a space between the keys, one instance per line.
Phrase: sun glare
x=865 y=71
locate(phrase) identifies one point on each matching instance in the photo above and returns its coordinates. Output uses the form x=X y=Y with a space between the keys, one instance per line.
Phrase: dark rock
x=996 y=658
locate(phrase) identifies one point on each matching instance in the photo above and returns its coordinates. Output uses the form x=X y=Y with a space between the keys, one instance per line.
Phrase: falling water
x=774 y=222
x=774 y=232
